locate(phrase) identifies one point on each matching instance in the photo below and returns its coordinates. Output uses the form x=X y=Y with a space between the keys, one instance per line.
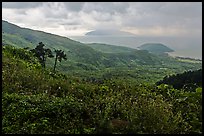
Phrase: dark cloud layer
x=20 y=5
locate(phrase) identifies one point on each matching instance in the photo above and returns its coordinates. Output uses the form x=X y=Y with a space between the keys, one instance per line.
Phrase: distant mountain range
x=109 y=32
x=83 y=56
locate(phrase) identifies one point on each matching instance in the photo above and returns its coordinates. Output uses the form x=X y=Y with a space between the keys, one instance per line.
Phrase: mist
x=183 y=46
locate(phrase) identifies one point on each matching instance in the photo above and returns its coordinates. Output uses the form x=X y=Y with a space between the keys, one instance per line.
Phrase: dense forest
x=186 y=80
x=55 y=85
x=37 y=100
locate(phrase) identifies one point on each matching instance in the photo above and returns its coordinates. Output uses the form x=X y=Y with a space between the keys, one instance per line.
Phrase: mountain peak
x=108 y=32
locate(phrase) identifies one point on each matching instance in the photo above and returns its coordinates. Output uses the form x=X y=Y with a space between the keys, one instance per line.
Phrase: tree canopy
x=59 y=56
x=42 y=53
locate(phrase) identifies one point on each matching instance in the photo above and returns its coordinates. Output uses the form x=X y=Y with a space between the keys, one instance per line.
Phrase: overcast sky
x=77 y=18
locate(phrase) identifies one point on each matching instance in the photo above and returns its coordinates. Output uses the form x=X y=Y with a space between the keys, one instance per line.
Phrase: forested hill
x=188 y=79
x=155 y=48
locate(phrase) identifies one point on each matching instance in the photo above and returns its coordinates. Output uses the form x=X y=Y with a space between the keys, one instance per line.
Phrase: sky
x=175 y=24
x=180 y=19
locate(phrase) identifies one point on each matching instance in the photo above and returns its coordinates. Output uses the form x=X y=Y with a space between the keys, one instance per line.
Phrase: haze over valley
x=182 y=47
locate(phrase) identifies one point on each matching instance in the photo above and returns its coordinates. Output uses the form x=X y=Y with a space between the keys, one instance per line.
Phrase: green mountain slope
x=23 y=37
x=189 y=80
x=80 y=55
x=110 y=48
x=97 y=61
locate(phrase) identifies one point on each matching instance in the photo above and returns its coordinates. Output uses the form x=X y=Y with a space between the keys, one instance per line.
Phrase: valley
x=97 y=59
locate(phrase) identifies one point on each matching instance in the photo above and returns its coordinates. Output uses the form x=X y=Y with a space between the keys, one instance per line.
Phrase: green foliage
x=59 y=56
x=38 y=114
x=41 y=53
x=19 y=53
x=187 y=102
x=42 y=102
x=110 y=48
x=39 y=101
x=189 y=80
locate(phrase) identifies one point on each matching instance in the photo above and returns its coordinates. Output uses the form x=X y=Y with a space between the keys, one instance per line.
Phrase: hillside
x=97 y=62
x=23 y=37
x=38 y=101
x=110 y=48
x=79 y=53
x=187 y=80
x=155 y=48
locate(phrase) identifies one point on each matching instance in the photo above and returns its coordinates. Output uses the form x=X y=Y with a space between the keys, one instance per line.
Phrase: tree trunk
x=55 y=63
x=43 y=61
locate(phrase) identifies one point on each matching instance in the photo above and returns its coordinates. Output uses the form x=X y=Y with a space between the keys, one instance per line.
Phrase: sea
x=182 y=46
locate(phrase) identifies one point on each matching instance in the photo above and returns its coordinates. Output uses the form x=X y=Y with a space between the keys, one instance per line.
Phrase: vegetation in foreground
x=38 y=101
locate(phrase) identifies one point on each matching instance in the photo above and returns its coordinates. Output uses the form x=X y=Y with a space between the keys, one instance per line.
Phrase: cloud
x=162 y=14
x=20 y=5
x=144 y=18
x=104 y=7
x=165 y=18
x=74 y=6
